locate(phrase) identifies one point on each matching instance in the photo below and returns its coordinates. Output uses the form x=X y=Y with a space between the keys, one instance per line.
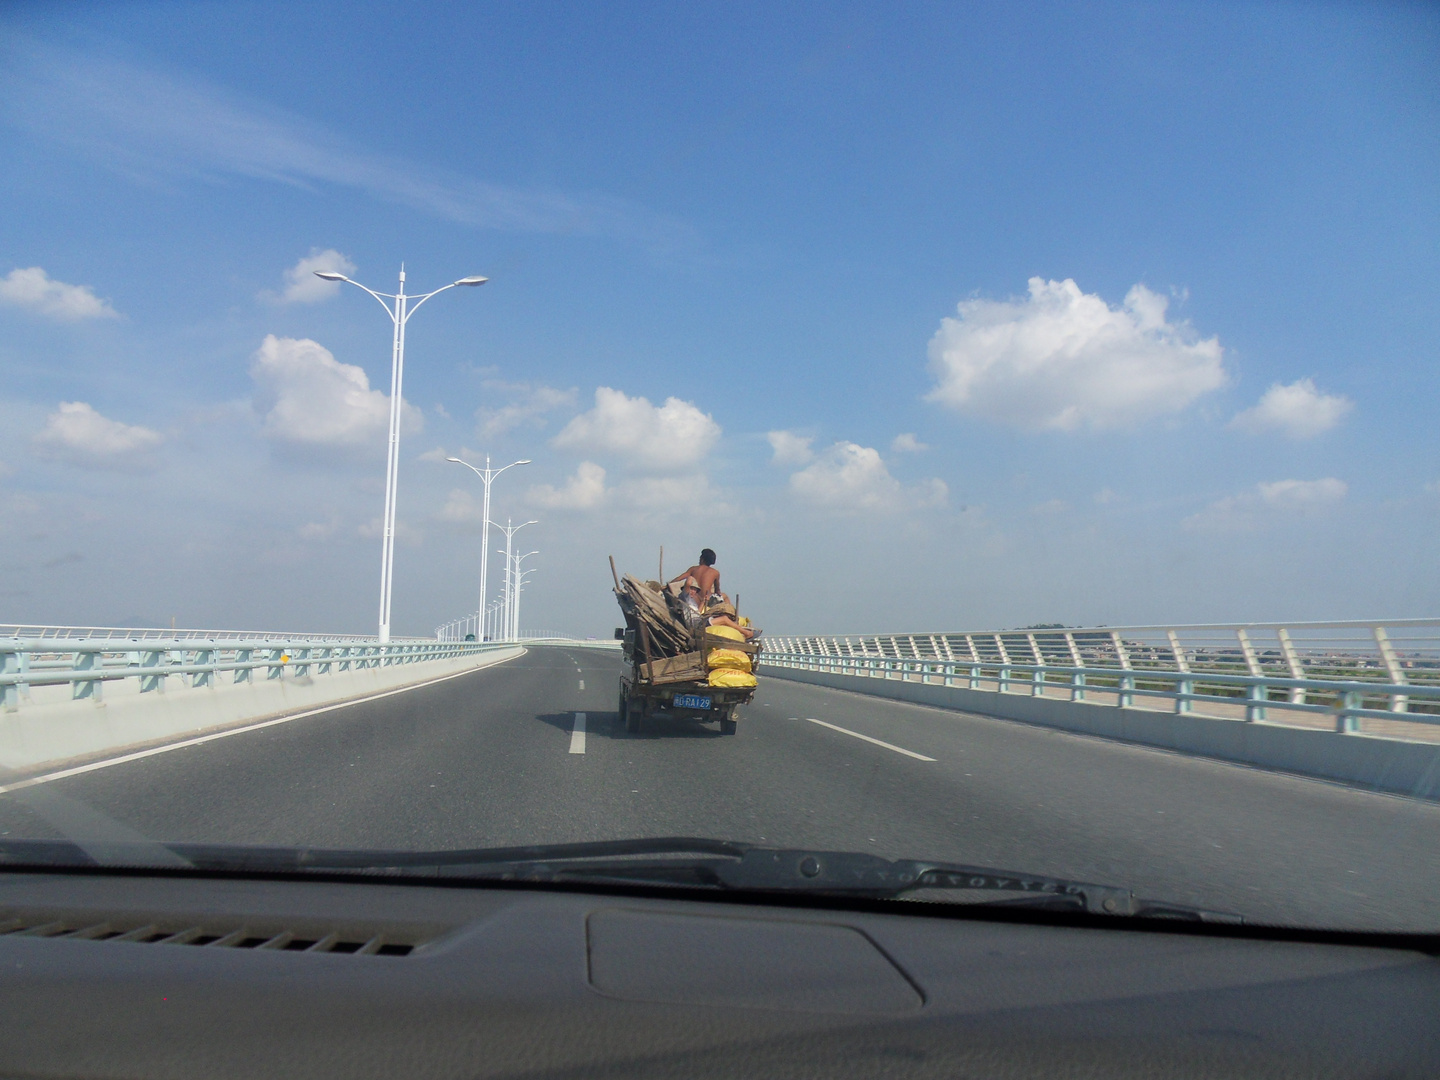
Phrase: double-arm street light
x=486 y=475
x=509 y=530
x=404 y=307
x=520 y=575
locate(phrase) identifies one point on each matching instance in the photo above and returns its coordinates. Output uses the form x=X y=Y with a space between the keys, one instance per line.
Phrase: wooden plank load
x=660 y=632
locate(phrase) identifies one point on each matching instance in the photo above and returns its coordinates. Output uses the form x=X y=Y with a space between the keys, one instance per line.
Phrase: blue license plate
x=692 y=701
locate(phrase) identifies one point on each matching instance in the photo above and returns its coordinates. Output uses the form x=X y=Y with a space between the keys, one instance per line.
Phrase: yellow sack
x=727 y=632
x=731 y=677
x=728 y=658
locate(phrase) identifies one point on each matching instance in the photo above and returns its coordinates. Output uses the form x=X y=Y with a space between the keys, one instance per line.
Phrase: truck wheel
x=727 y=723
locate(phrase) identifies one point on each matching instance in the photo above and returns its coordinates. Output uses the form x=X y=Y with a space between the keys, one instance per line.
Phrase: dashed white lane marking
x=577 y=734
x=867 y=738
x=123 y=758
x=582 y=684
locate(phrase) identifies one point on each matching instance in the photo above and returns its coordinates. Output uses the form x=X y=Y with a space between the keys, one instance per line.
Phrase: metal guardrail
x=87 y=664
x=1306 y=673
x=130 y=633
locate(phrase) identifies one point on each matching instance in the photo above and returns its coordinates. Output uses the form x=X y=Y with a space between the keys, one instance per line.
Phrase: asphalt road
x=493 y=758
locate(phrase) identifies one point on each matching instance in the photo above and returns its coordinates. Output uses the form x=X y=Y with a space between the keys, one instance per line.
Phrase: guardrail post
x=86 y=688
x=277 y=659
x=1184 y=694
x=10 y=692
x=152 y=658
x=202 y=678
x=1346 y=722
x=242 y=656
x=1037 y=682
x=1125 y=685
x=1255 y=694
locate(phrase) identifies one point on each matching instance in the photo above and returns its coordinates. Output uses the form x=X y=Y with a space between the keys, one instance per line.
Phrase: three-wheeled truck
x=678 y=686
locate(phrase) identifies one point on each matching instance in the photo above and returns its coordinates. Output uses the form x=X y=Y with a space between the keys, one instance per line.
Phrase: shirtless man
x=706 y=577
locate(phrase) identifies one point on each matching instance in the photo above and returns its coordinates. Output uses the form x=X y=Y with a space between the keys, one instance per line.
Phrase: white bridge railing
x=87 y=658
x=1379 y=678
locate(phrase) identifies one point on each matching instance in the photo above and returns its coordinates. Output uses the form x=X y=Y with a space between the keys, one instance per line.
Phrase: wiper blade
x=722 y=864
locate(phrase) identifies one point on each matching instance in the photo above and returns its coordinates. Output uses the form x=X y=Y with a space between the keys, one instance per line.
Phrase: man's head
x=707 y=557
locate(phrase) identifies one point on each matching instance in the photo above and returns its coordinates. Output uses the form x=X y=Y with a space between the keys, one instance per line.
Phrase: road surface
x=500 y=757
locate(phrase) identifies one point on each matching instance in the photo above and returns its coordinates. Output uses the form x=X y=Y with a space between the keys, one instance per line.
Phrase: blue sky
x=943 y=316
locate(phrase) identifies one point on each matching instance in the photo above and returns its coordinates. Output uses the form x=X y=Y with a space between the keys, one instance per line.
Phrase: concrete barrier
x=57 y=733
x=1379 y=764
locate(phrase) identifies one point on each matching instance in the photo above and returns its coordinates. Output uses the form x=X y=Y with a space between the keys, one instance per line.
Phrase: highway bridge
x=114 y=737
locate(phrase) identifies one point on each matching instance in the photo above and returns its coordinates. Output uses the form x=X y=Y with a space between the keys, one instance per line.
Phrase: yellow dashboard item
x=731 y=677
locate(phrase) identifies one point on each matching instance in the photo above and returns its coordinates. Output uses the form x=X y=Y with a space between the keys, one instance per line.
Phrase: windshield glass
x=942 y=451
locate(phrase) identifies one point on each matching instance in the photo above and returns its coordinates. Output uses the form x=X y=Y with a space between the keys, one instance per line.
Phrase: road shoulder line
x=105 y=763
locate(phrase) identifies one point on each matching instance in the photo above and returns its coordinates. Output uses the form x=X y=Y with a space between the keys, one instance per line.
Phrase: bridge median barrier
x=1384 y=764
x=64 y=713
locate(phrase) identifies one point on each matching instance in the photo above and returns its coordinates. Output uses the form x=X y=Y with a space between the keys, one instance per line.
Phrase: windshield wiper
x=690 y=862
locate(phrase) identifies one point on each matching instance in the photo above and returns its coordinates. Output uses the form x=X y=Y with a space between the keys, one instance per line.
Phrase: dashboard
x=168 y=975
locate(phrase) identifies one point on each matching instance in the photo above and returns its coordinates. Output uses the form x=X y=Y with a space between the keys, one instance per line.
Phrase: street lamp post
x=509 y=530
x=486 y=475
x=399 y=315
x=519 y=585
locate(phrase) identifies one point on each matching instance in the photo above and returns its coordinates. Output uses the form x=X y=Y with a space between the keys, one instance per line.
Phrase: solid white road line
x=867 y=738
x=137 y=755
x=577 y=734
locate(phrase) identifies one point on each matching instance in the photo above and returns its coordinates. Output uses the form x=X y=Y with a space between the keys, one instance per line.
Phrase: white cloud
x=674 y=436
x=1298 y=410
x=36 y=291
x=149 y=125
x=789 y=448
x=691 y=496
x=374 y=529
x=78 y=435
x=583 y=491
x=1104 y=497
x=301 y=284
x=462 y=507
x=316 y=530
x=310 y=399
x=848 y=476
x=1268 y=501
x=1050 y=506
x=1063 y=360
x=906 y=443
x=534 y=403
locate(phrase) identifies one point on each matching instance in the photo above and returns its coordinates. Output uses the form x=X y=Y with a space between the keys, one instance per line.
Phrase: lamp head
x=456 y=460
x=477 y=280
x=330 y=275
